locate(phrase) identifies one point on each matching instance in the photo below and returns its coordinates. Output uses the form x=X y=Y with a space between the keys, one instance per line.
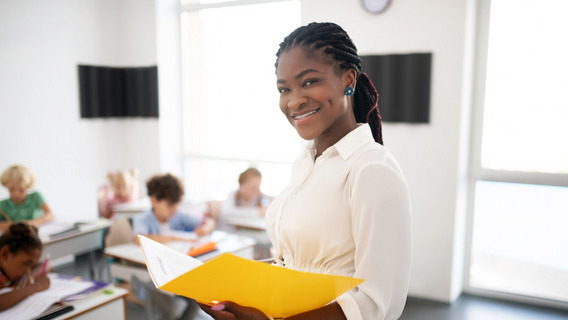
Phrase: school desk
x=132 y=208
x=70 y=297
x=131 y=253
x=107 y=303
x=78 y=238
x=256 y=223
x=253 y=227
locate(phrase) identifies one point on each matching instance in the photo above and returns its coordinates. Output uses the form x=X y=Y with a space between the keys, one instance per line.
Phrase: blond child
x=20 y=251
x=166 y=192
x=122 y=187
x=22 y=204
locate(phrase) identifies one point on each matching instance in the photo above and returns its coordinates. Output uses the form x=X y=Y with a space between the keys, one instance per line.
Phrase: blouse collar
x=347 y=145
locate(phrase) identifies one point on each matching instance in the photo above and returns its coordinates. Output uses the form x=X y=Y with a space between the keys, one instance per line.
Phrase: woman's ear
x=350 y=78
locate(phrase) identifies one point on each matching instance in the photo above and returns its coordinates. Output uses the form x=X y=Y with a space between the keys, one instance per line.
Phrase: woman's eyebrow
x=299 y=75
x=303 y=73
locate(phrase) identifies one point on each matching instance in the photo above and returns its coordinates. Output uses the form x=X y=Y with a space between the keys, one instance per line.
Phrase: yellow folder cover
x=276 y=291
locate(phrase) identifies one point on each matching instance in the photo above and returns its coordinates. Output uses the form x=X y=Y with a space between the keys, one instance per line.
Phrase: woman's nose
x=297 y=100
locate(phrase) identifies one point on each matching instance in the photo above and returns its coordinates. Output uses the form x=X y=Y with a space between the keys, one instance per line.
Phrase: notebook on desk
x=38 y=303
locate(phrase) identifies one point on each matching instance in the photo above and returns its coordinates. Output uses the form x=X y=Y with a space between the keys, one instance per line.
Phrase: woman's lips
x=303 y=116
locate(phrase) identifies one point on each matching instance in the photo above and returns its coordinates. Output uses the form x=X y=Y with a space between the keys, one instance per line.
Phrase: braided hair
x=338 y=46
x=21 y=237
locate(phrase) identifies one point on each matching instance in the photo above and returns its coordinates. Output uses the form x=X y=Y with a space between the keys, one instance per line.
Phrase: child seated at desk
x=20 y=250
x=248 y=201
x=22 y=205
x=166 y=192
x=122 y=188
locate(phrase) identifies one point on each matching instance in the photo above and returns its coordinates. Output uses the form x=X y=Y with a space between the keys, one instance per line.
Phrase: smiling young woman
x=346 y=210
x=312 y=97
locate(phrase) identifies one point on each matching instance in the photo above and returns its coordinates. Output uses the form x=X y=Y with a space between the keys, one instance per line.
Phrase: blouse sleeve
x=381 y=210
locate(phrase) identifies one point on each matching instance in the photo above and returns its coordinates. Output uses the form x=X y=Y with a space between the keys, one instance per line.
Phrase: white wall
x=41 y=44
x=428 y=153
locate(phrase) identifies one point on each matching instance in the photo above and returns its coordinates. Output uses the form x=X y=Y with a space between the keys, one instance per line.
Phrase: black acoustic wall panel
x=403 y=82
x=118 y=92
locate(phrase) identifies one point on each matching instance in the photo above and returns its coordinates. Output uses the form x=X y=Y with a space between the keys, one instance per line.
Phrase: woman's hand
x=230 y=310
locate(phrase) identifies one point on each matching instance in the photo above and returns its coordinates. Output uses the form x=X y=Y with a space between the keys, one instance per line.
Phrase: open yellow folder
x=276 y=291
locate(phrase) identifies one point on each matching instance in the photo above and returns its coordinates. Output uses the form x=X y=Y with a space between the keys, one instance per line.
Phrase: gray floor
x=468 y=307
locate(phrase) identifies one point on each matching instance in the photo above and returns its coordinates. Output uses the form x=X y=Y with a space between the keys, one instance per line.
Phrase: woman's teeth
x=305 y=115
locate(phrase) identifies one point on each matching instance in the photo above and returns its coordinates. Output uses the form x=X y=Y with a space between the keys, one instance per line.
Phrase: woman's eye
x=282 y=90
x=309 y=82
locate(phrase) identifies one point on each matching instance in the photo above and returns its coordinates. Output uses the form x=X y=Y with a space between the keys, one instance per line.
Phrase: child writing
x=20 y=250
x=22 y=205
x=166 y=192
x=123 y=188
x=248 y=200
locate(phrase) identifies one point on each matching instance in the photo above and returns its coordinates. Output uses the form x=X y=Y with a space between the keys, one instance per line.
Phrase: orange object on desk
x=204 y=248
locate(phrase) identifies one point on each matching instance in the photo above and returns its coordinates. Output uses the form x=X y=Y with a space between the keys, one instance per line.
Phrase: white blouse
x=348 y=213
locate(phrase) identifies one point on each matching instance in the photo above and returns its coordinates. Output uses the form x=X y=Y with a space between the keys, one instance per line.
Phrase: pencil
x=44 y=265
x=6 y=217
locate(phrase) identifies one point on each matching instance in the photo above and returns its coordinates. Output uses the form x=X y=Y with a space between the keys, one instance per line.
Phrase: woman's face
x=312 y=96
x=16 y=265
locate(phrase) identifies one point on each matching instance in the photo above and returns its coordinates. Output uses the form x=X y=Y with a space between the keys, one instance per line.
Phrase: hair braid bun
x=22 y=231
x=21 y=237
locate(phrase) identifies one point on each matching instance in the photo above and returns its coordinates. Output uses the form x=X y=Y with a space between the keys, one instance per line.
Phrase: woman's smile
x=299 y=116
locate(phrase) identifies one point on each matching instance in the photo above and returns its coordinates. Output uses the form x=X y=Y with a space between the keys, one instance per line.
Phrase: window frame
x=476 y=170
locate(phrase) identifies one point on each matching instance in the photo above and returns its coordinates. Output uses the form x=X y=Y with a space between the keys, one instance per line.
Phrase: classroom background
x=42 y=42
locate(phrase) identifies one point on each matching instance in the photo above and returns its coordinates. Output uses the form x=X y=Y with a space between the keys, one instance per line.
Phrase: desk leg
x=92 y=268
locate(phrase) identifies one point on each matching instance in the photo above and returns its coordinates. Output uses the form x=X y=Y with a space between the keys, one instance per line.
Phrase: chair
x=214 y=211
x=157 y=304
x=163 y=305
x=120 y=231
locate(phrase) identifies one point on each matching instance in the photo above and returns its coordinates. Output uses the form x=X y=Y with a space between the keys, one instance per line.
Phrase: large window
x=519 y=244
x=231 y=115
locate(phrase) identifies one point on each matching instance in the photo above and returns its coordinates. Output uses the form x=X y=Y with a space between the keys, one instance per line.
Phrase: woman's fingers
x=230 y=310
x=217 y=314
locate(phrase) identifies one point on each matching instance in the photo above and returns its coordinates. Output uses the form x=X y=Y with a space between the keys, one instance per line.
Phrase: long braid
x=338 y=45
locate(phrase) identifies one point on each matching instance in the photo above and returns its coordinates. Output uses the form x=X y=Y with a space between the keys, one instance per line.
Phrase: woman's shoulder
x=373 y=152
x=375 y=155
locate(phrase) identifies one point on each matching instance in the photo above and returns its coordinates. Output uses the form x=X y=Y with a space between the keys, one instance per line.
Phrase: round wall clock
x=375 y=6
